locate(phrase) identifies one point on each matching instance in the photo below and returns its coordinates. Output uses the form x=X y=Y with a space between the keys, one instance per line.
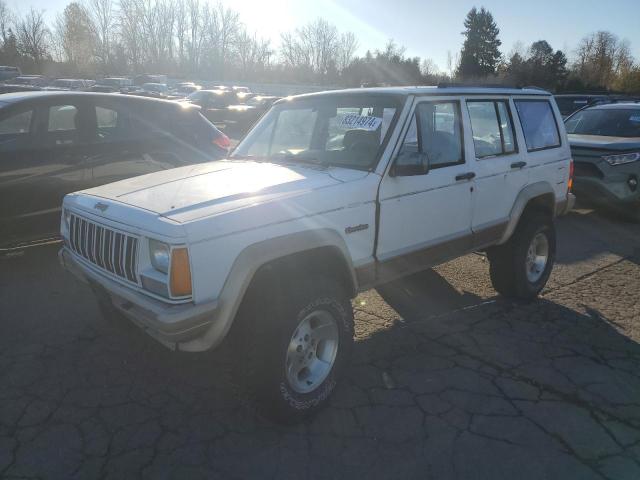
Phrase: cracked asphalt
x=448 y=381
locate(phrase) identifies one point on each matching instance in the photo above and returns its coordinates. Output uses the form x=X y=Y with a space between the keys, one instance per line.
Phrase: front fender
x=247 y=264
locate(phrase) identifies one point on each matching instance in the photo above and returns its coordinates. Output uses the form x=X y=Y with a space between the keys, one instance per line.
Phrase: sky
x=429 y=28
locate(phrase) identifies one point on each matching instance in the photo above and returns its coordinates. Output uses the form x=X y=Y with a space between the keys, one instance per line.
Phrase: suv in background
x=53 y=143
x=329 y=194
x=605 y=144
x=7 y=72
x=569 y=103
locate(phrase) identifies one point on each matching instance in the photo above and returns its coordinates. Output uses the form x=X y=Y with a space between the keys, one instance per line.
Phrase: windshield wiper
x=292 y=158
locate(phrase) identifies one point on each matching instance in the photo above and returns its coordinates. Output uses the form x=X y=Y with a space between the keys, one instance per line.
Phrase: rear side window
x=538 y=123
x=492 y=128
x=63 y=125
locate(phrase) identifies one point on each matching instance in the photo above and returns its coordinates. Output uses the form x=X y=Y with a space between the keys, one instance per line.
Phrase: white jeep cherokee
x=329 y=194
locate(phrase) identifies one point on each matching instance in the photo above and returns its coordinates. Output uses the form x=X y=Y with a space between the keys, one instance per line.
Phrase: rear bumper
x=168 y=324
x=565 y=206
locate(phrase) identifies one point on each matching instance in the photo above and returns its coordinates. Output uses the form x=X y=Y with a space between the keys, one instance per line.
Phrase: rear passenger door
x=501 y=169
x=545 y=139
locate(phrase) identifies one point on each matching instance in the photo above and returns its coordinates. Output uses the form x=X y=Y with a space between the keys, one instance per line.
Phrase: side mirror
x=416 y=165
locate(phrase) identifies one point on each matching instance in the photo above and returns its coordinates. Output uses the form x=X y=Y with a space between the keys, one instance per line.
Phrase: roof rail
x=476 y=85
x=533 y=87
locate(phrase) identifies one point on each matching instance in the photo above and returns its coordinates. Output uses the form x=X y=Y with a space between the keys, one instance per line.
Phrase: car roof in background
x=615 y=106
x=15 y=97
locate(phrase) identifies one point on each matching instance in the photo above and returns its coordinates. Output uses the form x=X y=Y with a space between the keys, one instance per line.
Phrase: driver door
x=425 y=198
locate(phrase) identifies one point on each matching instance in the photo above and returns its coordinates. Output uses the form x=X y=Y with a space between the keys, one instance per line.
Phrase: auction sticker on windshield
x=360 y=122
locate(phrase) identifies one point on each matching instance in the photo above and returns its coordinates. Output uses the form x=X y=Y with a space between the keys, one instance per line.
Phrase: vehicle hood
x=186 y=193
x=604 y=143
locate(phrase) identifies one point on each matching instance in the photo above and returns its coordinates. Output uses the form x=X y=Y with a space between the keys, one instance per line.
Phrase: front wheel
x=521 y=267
x=293 y=347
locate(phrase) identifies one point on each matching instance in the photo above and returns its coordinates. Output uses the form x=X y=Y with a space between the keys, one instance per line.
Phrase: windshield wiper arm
x=291 y=158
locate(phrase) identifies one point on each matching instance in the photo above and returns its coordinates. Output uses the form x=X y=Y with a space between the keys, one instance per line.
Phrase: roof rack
x=473 y=85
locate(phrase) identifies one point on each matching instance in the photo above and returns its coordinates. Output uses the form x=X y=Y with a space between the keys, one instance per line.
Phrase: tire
x=511 y=275
x=262 y=338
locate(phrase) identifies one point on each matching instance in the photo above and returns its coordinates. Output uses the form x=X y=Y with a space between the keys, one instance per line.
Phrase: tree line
x=203 y=40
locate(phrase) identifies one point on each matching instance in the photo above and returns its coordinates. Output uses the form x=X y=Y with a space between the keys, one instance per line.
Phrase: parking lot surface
x=448 y=381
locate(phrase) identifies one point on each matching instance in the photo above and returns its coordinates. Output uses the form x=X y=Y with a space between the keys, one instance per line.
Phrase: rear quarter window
x=538 y=124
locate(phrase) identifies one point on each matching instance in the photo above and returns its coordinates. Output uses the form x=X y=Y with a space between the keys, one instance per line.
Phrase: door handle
x=465 y=176
x=518 y=164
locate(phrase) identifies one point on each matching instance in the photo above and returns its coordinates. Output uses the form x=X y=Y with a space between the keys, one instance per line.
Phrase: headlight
x=622 y=158
x=160 y=254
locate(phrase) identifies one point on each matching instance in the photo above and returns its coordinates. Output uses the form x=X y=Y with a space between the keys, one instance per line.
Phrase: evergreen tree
x=480 y=55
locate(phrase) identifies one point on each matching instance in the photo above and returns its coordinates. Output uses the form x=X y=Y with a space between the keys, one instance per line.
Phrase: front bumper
x=604 y=184
x=168 y=324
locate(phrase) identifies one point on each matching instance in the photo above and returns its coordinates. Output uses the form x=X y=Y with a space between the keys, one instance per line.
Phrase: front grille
x=110 y=250
x=587 y=169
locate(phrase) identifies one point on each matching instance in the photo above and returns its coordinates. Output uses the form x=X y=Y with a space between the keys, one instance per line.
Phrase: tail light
x=222 y=141
x=570 y=182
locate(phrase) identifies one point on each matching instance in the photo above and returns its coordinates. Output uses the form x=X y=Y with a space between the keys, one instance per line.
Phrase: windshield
x=344 y=131
x=606 y=122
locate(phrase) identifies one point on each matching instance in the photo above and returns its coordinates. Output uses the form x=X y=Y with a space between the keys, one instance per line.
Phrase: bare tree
x=347 y=47
x=130 y=32
x=74 y=34
x=6 y=20
x=33 y=36
x=103 y=16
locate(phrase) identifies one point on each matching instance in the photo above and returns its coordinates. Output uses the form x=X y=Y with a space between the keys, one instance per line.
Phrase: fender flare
x=531 y=191
x=247 y=264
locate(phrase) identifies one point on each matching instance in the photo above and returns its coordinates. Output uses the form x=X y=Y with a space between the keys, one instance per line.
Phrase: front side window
x=344 y=131
x=538 y=123
x=492 y=128
x=609 y=122
x=14 y=130
x=434 y=138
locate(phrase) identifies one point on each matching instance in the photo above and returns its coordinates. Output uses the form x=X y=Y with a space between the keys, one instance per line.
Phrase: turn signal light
x=180 y=281
x=222 y=141
x=570 y=182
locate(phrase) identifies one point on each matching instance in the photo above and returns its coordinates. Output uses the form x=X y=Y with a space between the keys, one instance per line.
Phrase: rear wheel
x=521 y=267
x=293 y=344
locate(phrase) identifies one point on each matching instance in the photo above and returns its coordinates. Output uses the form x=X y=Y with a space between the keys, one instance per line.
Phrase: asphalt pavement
x=448 y=381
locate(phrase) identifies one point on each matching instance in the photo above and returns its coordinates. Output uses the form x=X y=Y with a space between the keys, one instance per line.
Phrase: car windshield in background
x=569 y=105
x=606 y=122
x=342 y=131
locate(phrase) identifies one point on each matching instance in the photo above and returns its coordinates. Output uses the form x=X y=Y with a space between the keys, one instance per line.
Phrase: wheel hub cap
x=537 y=257
x=312 y=351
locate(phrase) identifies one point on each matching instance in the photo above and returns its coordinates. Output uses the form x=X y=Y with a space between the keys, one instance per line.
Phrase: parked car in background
x=214 y=103
x=113 y=84
x=156 y=90
x=185 y=89
x=140 y=80
x=67 y=84
x=572 y=102
x=238 y=119
x=53 y=143
x=329 y=194
x=29 y=80
x=8 y=88
x=605 y=144
x=7 y=72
